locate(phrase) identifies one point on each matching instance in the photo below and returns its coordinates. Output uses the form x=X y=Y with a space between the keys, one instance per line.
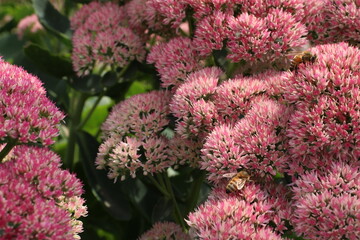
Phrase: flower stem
x=81 y=125
x=158 y=186
x=178 y=213
x=10 y=145
x=75 y=117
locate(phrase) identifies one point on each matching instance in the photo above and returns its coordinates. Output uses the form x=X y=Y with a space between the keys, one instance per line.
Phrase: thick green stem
x=75 y=117
x=178 y=213
x=7 y=149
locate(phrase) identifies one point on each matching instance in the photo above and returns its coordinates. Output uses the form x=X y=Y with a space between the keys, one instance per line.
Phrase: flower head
x=327 y=204
x=35 y=196
x=102 y=37
x=142 y=115
x=225 y=216
x=165 y=231
x=324 y=126
x=26 y=114
x=192 y=103
x=174 y=60
x=30 y=23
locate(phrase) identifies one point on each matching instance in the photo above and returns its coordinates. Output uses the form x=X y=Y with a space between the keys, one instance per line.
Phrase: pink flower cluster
x=102 y=37
x=26 y=114
x=133 y=139
x=30 y=23
x=333 y=21
x=174 y=60
x=165 y=231
x=38 y=200
x=250 y=215
x=327 y=205
x=325 y=125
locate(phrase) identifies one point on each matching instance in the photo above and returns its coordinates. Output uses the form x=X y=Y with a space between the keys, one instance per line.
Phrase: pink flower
x=142 y=115
x=193 y=106
x=203 y=8
x=136 y=14
x=221 y=154
x=80 y=17
x=211 y=33
x=174 y=61
x=165 y=231
x=225 y=216
x=261 y=8
x=248 y=38
x=286 y=33
x=327 y=204
x=257 y=142
x=103 y=39
x=26 y=114
x=35 y=194
x=234 y=97
x=185 y=151
x=324 y=128
x=261 y=137
x=332 y=21
x=30 y=23
x=172 y=11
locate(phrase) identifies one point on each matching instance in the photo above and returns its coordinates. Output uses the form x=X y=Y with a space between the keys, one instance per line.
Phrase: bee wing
x=229 y=175
x=240 y=183
x=298 y=50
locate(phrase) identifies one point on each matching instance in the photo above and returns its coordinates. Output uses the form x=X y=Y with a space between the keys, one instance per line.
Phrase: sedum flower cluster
x=234 y=100
x=26 y=114
x=38 y=200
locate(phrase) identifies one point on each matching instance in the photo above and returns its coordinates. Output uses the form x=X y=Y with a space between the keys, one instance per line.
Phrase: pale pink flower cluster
x=102 y=37
x=30 y=23
x=185 y=151
x=250 y=215
x=165 y=231
x=133 y=140
x=174 y=60
x=325 y=125
x=26 y=114
x=327 y=205
x=333 y=20
x=39 y=200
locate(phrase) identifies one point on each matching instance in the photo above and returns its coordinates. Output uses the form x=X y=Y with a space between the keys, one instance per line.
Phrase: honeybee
x=237 y=181
x=302 y=57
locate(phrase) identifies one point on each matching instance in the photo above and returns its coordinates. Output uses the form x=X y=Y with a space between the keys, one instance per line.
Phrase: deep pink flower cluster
x=327 y=205
x=174 y=60
x=333 y=21
x=38 y=200
x=133 y=139
x=26 y=114
x=102 y=37
x=28 y=24
x=325 y=125
x=248 y=215
x=165 y=231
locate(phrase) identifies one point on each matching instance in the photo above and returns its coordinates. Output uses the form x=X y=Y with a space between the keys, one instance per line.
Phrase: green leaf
x=162 y=210
x=52 y=19
x=108 y=192
x=90 y=84
x=55 y=65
